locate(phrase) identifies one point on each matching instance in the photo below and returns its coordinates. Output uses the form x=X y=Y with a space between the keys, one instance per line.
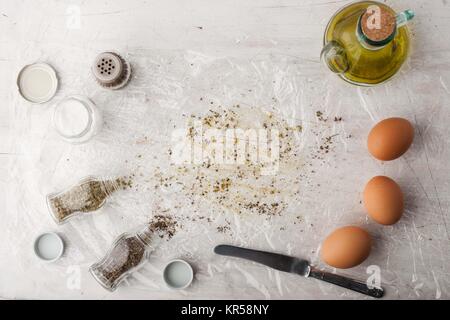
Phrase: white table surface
x=221 y=50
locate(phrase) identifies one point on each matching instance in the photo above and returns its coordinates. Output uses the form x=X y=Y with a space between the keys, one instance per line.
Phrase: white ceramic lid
x=49 y=246
x=37 y=82
x=178 y=274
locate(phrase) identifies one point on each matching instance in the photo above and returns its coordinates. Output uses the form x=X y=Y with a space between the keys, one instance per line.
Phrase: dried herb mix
x=240 y=188
x=163 y=225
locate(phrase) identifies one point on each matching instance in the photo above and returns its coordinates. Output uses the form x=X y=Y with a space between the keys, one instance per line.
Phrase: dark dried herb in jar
x=130 y=251
x=125 y=256
x=89 y=195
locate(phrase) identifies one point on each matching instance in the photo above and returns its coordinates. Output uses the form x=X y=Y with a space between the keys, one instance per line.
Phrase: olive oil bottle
x=366 y=42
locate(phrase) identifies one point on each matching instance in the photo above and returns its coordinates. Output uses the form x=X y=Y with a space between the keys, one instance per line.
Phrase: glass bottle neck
x=145 y=235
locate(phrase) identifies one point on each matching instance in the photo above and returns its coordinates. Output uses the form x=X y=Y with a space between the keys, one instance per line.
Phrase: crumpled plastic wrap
x=317 y=187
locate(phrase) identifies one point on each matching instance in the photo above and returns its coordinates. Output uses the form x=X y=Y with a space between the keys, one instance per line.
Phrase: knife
x=298 y=266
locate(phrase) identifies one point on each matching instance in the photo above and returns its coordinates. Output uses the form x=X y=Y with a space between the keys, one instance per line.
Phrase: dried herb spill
x=240 y=186
x=234 y=183
x=163 y=225
x=86 y=197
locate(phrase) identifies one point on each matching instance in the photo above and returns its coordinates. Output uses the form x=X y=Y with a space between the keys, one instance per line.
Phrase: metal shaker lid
x=37 y=82
x=111 y=70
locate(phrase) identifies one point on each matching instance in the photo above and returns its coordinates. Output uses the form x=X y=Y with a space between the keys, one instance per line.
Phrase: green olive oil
x=364 y=65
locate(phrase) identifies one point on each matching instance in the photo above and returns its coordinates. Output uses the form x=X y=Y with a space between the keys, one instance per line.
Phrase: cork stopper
x=378 y=23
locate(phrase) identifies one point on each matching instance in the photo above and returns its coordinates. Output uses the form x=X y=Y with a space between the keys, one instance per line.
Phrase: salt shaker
x=127 y=254
x=111 y=70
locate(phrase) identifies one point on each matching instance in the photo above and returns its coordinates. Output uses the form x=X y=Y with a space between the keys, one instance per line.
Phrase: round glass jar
x=77 y=119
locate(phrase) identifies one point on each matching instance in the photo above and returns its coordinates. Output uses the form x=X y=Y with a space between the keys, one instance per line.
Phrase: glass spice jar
x=127 y=254
x=88 y=195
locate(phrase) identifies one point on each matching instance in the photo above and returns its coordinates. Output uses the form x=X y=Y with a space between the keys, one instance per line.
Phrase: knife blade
x=274 y=260
x=298 y=266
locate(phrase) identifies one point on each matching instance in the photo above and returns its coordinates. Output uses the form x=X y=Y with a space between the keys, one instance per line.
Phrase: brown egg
x=383 y=200
x=390 y=138
x=346 y=247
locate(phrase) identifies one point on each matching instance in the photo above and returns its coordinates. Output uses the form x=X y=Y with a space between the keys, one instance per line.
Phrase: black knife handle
x=346 y=283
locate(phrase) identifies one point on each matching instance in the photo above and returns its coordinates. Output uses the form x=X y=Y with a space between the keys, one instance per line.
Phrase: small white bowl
x=178 y=274
x=48 y=246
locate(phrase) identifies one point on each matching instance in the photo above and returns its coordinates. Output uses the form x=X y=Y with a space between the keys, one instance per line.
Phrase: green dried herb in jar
x=88 y=195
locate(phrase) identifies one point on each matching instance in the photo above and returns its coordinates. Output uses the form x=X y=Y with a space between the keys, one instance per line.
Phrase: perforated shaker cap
x=108 y=68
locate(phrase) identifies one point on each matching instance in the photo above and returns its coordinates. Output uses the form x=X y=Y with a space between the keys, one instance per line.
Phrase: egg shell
x=346 y=247
x=390 y=138
x=383 y=200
